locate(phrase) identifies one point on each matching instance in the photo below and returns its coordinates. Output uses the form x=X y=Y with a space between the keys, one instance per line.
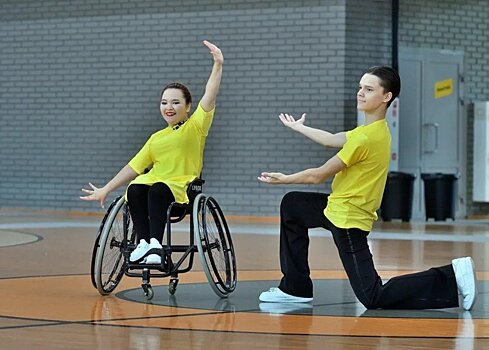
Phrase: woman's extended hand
x=290 y=122
x=272 y=178
x=95 y=194
x=215 y=52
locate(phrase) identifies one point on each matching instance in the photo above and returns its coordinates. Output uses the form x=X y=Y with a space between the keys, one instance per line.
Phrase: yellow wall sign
x=443 y=88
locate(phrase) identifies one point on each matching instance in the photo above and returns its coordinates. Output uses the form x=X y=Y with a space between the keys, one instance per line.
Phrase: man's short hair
x=389 y=80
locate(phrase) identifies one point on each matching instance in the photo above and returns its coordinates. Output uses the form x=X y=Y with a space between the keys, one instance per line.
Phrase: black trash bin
x=439 y=195
x=397 y=202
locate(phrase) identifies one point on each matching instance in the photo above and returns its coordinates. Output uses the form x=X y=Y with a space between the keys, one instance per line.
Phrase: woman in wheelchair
x=174 y=156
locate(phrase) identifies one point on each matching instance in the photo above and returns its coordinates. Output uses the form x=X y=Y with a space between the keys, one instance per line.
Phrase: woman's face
x=173 y=107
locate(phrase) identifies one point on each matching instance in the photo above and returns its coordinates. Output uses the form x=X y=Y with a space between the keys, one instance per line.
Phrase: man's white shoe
x=275 y=295
x=286 y=308
x=466 y=280
x=155 y=257
x=138 y=253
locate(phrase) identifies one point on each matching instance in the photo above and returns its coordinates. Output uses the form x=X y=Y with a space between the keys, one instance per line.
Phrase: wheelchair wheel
x=109 y=259
x=214 y=245
x=96 y=244
x=94 y=254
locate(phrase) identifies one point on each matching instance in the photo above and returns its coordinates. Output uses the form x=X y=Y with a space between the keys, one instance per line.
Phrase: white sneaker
x=466 y=280
x=275 y=295
x=154 y=257
x=286 y=308
x=138 y=253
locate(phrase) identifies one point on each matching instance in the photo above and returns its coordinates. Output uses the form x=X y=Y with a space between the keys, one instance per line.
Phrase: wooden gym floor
x=48 y=302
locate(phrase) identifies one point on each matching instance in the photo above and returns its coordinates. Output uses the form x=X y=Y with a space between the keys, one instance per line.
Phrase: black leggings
x=431 y=289
x=148 y=206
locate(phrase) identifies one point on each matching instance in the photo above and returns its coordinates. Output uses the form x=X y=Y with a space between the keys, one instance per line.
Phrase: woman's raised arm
x=208 y=101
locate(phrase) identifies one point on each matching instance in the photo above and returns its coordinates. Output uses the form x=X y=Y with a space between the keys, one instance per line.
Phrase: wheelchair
x=209 y=236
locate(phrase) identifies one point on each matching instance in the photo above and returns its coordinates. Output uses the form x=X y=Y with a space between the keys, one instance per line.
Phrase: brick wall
x=79 y=84
x=368 y=43
x=80 y=88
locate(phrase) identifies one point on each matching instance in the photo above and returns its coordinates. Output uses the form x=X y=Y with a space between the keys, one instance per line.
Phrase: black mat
x=331 y=298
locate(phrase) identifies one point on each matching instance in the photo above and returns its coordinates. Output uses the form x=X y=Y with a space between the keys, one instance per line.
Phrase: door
x=440 y=118
x=431 y=128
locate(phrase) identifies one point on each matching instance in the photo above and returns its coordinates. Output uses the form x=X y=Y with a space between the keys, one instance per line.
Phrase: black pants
x=432 y=289
x=148 y=206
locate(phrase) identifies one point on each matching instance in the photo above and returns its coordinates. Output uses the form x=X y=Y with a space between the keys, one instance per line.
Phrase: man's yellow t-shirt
x=356 y=191
x=175 y=156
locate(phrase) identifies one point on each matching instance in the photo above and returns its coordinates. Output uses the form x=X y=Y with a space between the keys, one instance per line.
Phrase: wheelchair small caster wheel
x=148 y=291
x=172 y=287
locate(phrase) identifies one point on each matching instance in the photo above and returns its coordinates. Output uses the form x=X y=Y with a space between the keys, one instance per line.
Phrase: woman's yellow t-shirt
x=357 y=190
x=175 y=156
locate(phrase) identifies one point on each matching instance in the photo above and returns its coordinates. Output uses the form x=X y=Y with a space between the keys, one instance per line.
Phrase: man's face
x=371 y=96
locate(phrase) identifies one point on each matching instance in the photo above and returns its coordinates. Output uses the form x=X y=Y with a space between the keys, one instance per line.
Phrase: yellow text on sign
x=443 y=88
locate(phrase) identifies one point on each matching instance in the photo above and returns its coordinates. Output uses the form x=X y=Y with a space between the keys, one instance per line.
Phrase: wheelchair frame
x=209 y=236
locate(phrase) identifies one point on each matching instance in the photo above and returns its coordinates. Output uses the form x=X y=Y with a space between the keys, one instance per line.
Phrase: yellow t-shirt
x=356 y=191
x=174 y=156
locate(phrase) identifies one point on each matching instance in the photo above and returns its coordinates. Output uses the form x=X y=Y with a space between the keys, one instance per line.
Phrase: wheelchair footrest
x=181 y=248
x=163 y=267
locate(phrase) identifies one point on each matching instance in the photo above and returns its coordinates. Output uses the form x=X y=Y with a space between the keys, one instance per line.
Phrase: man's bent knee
x=290 y=198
